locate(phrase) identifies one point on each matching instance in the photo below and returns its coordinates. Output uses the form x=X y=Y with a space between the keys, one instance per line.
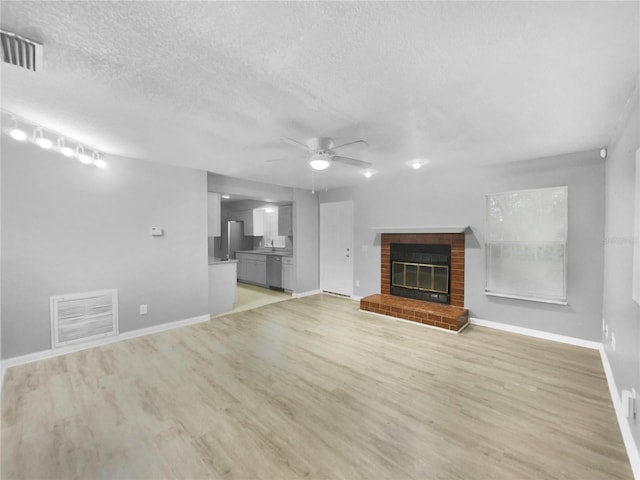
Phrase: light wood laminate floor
x=312 y=388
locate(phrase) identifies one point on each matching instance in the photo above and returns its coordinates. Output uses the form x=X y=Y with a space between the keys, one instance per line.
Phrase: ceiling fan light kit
x=319 y=161
x=322 y=151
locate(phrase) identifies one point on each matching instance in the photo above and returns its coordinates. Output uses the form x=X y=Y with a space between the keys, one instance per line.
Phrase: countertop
x=218 y=261
x=279 y=253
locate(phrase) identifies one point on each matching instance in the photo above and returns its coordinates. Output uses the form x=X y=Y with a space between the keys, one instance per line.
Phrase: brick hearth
x=428 y=313
x=450 y=317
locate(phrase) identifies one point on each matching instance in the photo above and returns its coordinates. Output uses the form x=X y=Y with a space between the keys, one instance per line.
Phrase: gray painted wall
x=306 y=246
x=438 y=198
x=256 y=190
x=67 y=227
x=621 y=313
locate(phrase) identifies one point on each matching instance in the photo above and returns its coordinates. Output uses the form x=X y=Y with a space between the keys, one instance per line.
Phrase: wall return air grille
x=21 y=52
x=81 y=317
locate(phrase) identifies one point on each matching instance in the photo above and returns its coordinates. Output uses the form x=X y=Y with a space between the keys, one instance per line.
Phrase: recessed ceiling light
x=226 y=197
x=269 y=210
x=416 y=163
x=368 y=173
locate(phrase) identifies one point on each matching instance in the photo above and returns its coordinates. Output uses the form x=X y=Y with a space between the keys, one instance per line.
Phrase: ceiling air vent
x=21 y=52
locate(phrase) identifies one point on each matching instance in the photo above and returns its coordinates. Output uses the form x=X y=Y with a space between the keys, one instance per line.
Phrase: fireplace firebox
x=421 y=271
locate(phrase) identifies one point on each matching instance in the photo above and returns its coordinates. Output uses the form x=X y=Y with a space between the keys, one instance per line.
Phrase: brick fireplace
x=444 y=310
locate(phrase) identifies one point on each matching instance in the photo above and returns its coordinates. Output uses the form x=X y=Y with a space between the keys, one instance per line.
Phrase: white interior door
x=336 y=247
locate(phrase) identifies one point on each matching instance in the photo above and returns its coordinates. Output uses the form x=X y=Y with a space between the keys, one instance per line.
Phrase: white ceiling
x=215 y=85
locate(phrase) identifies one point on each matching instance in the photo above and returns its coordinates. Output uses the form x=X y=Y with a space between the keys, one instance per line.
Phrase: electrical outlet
x=606 y=331
x=357 y=283
x=613 y=341
x=365 y=247
x=143 y=309
x=628 y=400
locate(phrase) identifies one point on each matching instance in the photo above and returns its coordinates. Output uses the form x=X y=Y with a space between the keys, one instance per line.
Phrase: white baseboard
x=536 y=333
x=3 y=368
x=34 y=357
x=627 y=436
x=306 y=294
x=356 y=298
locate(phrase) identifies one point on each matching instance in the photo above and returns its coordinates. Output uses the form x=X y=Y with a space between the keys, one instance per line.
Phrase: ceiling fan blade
x=295 y=143
x=354 y=162
x=350 y=143
x=280 y=159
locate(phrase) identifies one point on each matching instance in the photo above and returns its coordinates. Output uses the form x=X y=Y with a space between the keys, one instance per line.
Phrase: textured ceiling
x=215 y=85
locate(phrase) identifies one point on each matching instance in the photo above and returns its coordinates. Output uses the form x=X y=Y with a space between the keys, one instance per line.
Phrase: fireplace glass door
x=420 y=276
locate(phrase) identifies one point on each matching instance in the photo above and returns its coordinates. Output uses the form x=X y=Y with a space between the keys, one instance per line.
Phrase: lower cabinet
x=287 y=273
x=252 y=268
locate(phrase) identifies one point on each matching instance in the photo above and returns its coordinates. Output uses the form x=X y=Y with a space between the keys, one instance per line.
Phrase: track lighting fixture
x=40 y=139
x=66 y=151
x=97 y=160
x=43 y=140
x=16 y=132
x=82 y=156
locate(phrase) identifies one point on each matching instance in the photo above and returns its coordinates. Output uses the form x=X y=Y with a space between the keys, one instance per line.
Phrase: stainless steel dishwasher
x=274 y=272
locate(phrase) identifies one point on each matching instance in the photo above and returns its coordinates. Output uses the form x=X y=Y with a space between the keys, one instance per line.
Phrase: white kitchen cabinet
x=242 y=267
x=258 y=271
x=254 y=223
x=252 y=268
x=285 y=221
x=288 y=273
x=213 y=214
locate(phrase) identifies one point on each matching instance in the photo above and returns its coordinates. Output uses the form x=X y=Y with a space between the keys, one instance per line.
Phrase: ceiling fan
x=322 y=152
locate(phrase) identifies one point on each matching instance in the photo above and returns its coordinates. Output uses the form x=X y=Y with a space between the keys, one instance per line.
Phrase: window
x=526 y=244
x=271 y=229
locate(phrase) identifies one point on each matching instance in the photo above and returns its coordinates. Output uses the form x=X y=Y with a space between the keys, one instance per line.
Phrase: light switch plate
x=156 y=232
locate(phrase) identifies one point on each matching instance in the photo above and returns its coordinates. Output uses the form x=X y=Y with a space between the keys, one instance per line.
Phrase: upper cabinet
x=254 y=222
x=213 y=214
x=285 y=223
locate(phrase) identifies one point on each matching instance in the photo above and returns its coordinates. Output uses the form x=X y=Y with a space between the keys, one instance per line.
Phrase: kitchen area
x=250 y=244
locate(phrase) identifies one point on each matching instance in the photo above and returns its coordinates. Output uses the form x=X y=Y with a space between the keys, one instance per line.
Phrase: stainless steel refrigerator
x=235 y=238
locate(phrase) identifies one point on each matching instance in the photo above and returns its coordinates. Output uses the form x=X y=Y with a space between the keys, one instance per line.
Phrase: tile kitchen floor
x=250 y=297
